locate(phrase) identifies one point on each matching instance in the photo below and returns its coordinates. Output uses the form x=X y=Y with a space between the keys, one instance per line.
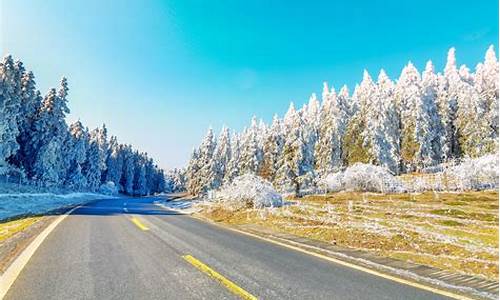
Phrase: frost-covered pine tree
x=91 y=168
x=200 y=172
x=192 y=172
x=50 y=132
x=127 y=178
x=30 y=104
x=333 y=120
x=272 y=149
x=407 y=93
x=79 y=142
x=429 y=132
x=140 y=187
x=474 y=131
x=448 y=85
x=234 y=165
x=356 y=146
x=486 y=85
x=294 y=167
x=221 y=158
x=100 y=137
x=10 y=102
x=382 y=132
x=251 y=151
x=114 y=161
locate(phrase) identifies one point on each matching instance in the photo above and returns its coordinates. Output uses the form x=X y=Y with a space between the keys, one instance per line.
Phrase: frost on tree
x=36 y=142
x=10 y=100
x=272 y=149
x=418 y=122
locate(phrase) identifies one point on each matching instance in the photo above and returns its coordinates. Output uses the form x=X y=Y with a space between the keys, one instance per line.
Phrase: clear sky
x=158 y=73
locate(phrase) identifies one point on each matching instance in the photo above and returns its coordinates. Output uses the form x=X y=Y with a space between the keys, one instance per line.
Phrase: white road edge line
x=10 y=275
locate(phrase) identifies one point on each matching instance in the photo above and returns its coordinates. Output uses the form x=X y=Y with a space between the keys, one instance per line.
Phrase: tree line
x=418 y=121
x=38 y=147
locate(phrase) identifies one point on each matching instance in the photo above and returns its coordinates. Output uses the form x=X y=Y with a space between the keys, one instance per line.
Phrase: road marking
x=139 y=223
x=10 y=275
x=349 y=265
x=235 y=289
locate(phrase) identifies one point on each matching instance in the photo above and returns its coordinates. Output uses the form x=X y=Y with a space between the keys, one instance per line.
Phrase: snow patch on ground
x=16 y=204
x=249 y=190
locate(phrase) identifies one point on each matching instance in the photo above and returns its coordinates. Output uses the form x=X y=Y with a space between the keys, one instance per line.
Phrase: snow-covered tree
x=429 y=132
x=251 y=151
x=79 y=142
x=272 y=149
x=10 y=103
x=356 y=145
x=50 y=132
x=221 y=158
x=333 y=120
x=293 y=165
x=234 y=165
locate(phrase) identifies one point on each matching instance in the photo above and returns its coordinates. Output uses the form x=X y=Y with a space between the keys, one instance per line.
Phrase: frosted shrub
x=108 y=188
x=363 y=178
x=333 y=182
x=476 y=174
x=251 y=190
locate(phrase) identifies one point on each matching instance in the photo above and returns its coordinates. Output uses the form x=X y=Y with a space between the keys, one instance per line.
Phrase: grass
x=10 y=228
x=451 y=231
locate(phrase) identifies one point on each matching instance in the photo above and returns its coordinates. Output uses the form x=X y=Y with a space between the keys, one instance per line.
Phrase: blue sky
x=158 y=73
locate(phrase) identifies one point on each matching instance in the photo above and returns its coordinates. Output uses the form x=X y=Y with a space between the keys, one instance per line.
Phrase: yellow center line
x=231 y=286
x=139 y=223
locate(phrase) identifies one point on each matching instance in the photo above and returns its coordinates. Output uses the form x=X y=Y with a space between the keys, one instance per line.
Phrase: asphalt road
x=99 y=252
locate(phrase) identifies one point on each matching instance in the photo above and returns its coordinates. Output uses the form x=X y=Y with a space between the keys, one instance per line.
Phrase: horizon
x=209 y=74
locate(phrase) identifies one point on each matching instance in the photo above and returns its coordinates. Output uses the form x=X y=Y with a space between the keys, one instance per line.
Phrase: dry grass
x=8 y=229
x=452 y=231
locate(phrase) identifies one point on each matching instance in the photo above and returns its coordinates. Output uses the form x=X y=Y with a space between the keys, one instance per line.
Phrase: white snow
x=249 y=190
x=12 y=205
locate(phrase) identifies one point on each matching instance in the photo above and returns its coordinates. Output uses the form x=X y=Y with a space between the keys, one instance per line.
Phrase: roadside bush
x=363 y=178
x=249 y=190
x=108 y=188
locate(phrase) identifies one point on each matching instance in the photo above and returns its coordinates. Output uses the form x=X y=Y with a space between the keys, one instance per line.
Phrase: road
x=129 y=248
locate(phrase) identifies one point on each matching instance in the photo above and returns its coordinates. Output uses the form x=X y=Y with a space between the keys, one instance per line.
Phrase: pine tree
x=48 y=135
x=251 y=152
x=408 y=93
x=127 y=178
x=272 y=149
x=234 y=165
x=90 y=168
x=486 y=85
x=192 y=173
x=448 y=106
x=356 y=145
x=333 y=118
x=30 y=104
x=221 y=159
x=10 y=102
x=79 y=142
x=114 y=162
x=382 y=132
x=429 y=132
x=293 y=164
